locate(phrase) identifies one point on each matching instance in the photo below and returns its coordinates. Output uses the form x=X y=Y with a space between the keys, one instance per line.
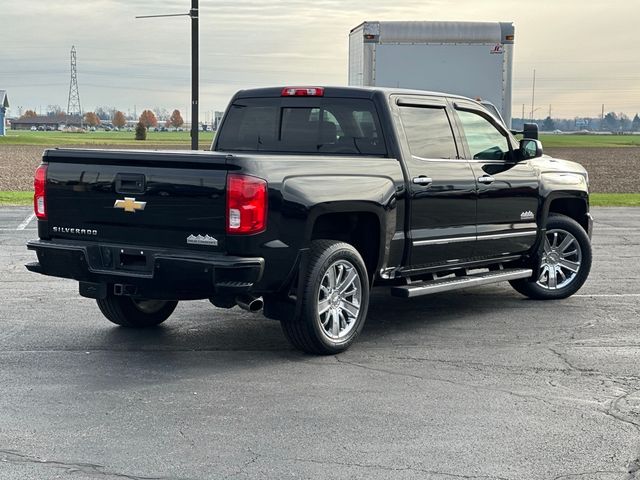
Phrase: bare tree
x=29 y=114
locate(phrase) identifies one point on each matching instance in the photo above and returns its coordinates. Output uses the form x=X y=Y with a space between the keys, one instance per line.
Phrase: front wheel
x=334 y=302
x=564 y=264
x=136 y=312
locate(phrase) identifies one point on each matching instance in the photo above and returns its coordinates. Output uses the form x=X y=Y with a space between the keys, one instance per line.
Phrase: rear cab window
x=338 y=126
x=428 y=131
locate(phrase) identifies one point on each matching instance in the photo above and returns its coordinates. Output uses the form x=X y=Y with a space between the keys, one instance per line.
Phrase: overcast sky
x=585 y=52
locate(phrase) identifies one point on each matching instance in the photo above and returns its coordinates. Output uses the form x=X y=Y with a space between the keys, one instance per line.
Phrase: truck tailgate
x=168 y=199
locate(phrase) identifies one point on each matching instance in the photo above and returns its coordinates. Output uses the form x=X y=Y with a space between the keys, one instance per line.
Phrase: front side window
x=485 y=141
x=330 y=126
x=428 y=132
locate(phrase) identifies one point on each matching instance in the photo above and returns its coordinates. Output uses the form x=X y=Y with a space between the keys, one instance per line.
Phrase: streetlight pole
x=195 y=65
x=533 y=93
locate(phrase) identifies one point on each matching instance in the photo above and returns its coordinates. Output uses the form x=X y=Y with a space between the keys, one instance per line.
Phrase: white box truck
x=474 y=59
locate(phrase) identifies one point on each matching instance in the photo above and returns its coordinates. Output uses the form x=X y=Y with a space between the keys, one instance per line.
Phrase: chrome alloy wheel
x=560 y=261
x=339 y=299
x=148 y=306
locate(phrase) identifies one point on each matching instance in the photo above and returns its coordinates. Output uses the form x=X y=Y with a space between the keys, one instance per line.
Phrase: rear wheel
x=334 y=302
x=564 y=264
x=136 y=312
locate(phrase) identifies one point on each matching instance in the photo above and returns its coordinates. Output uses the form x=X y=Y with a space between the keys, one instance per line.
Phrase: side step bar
x=456 y=283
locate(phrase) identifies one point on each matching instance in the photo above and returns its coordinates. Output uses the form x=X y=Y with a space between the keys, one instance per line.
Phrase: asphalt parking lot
x=476 y=384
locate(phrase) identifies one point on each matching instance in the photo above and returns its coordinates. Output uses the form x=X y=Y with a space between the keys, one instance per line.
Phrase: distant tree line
x=611 y=122
x=150 y=118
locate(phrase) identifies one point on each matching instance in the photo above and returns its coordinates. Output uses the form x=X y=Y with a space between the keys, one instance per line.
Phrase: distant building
x=46 y=122
x=4 y=104
x=582 y=123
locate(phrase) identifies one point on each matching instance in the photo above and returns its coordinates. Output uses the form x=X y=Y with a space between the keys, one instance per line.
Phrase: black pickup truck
x=309 y=197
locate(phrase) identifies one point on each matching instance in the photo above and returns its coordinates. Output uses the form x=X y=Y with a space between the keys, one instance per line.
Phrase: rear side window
x=327 y=126
x=428 y=132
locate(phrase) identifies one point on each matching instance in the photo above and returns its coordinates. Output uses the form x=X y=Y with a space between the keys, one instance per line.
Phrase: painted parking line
x=607 y=295
x=26 y=222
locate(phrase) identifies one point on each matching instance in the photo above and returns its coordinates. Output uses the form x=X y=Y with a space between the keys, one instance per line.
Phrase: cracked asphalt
x=479 y=384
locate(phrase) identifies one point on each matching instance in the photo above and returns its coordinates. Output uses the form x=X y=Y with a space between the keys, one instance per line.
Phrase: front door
x=507 y=208
x=441 y=185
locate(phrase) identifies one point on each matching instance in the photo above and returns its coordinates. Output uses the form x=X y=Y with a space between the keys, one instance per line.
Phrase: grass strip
x=169 y=139
x=589 y=141
x=53 y=139
x=614 y=199
x=16 y=198
x=596 y=199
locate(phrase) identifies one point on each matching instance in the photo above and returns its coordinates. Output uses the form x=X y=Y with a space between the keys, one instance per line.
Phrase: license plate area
x=133 y=260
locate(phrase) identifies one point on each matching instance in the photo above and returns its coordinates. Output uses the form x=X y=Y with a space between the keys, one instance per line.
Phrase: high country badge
x=202 y=240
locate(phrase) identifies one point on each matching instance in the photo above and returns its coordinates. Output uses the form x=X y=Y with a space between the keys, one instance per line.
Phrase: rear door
x=441 y=184
x=508 y=190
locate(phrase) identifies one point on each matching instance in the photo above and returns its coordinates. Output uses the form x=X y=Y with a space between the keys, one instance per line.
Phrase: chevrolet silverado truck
x=309 y=198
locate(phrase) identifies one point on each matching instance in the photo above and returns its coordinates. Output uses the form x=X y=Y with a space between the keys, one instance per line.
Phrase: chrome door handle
x=486 y=179
x=422 y=180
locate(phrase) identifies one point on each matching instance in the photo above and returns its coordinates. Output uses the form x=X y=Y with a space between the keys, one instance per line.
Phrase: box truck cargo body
x=474 y=59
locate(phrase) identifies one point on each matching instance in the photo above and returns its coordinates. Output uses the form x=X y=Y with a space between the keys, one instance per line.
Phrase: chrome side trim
x=443 y=241
x=497 y=236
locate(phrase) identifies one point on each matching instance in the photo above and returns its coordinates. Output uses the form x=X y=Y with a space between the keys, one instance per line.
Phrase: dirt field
x=611 y=170
x=18 y=162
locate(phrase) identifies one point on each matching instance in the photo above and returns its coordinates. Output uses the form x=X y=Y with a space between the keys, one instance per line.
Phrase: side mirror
x=530 y=130
x=530 y=148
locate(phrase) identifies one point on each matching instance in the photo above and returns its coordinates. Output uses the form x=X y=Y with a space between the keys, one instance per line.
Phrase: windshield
x=302 y=125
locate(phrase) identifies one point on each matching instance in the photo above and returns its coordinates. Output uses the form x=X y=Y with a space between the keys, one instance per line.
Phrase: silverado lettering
x=77 y=231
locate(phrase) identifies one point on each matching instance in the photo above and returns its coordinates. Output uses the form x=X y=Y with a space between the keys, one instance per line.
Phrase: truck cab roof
x=343 y=91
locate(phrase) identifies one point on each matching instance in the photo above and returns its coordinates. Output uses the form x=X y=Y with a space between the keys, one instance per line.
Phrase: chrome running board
x=456 y=283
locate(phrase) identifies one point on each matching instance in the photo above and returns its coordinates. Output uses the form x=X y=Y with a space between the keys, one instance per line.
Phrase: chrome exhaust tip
x=250 y=303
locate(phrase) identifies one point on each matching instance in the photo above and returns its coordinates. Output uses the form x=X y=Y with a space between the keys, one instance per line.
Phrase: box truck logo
x=497 y=49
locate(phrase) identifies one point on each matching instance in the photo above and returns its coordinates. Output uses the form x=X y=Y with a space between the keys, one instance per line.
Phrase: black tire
x=530 y=286
x=307 y=332
x=136 y=313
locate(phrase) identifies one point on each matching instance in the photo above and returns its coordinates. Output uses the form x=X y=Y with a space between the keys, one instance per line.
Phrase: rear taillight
x=39 y=195
x=246 y=204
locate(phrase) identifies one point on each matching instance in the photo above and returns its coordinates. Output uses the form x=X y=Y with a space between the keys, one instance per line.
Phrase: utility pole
x=533 y=93
x=523 y=112
x=195 y=65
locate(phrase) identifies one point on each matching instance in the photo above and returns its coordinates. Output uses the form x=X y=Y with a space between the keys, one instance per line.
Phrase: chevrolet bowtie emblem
x=129 y=205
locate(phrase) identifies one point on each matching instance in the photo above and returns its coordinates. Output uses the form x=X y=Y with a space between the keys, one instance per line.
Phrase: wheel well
x=360 y=229
x=575 y=208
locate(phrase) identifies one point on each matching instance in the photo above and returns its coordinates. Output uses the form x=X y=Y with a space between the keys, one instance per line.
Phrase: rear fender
x=322 y=195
